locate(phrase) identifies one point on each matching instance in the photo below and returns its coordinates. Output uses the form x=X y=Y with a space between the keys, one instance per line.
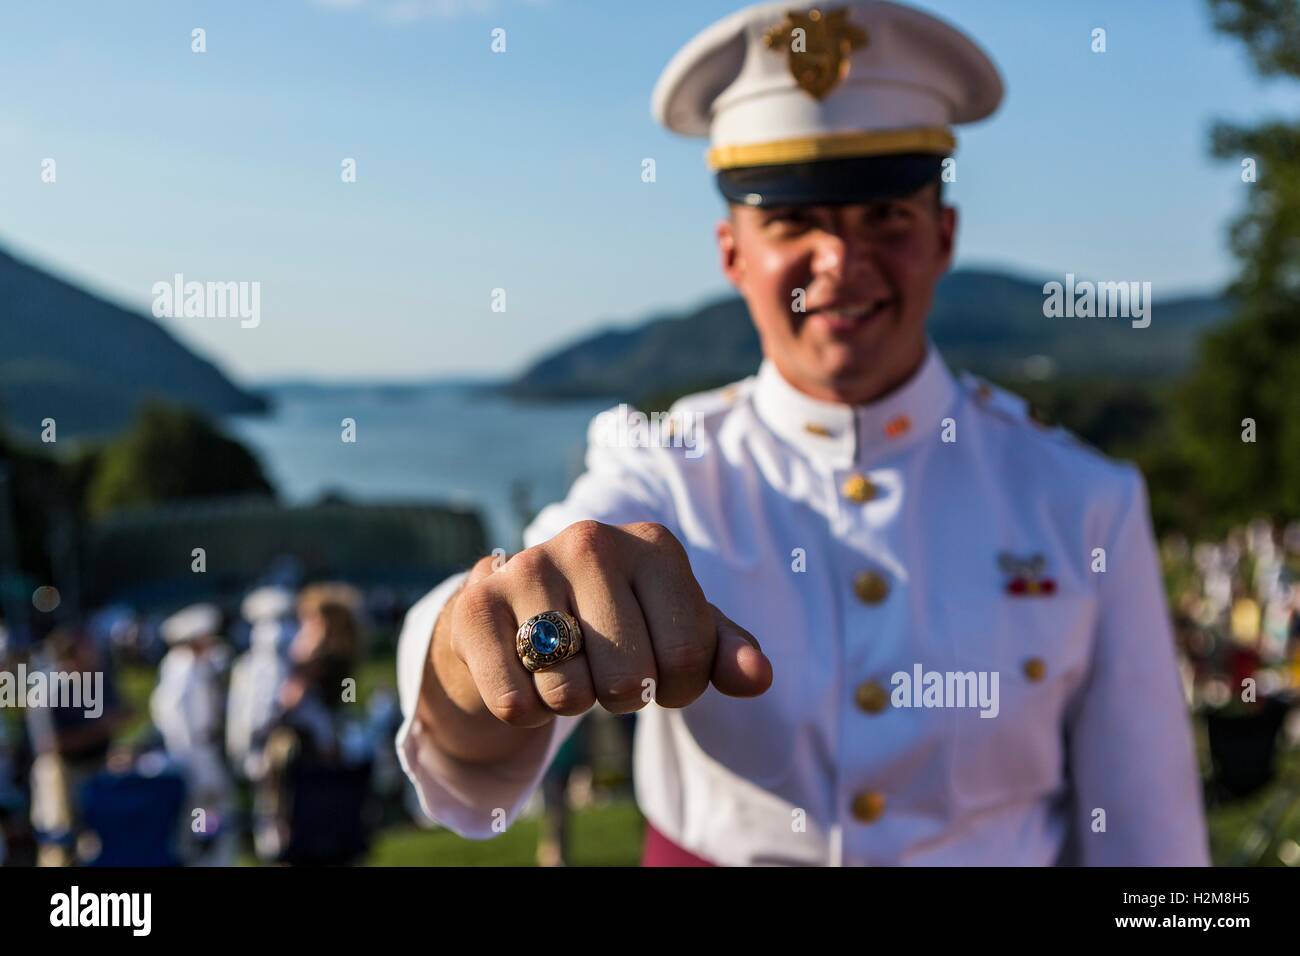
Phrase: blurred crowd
x=256 y=740
x=1236 y=609
x=260 y=741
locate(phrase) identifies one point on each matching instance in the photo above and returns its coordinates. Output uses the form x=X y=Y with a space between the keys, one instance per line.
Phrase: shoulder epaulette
x=1015 y=408
x=713 y=400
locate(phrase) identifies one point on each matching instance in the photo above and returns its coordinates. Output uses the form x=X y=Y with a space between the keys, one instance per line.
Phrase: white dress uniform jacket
x=186 y=709
x=255 y=681
x=937 y=529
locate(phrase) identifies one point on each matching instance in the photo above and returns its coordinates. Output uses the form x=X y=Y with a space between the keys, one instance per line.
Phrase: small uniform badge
x=819 y=44
x=898 y=426
x=1025 y=576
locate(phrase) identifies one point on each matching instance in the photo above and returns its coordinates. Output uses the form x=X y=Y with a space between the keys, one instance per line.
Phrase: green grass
x=1254 y=830
x=607 y=835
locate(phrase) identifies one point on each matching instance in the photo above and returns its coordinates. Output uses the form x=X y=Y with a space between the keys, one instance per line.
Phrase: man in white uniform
x=186 y=709
x=257 y=676
x=965 y=654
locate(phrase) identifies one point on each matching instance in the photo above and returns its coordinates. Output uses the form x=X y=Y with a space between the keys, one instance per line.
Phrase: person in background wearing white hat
x=258 y=674
x=965 y=653
x=186 y=708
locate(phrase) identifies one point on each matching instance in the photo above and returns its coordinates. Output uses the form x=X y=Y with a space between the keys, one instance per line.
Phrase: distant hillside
x=71 y=356
x=987 y=322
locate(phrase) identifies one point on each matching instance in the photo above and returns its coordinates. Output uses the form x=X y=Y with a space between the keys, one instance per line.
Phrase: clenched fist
x=648 y=632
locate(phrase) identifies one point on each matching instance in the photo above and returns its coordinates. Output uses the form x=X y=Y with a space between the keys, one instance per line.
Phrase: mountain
x=87 y=363
x=991 y=323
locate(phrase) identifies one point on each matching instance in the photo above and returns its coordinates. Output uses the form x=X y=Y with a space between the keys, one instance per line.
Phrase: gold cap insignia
x=819 y=44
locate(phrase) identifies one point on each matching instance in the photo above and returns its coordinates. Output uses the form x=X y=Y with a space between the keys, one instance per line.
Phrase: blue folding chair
x=135 y=817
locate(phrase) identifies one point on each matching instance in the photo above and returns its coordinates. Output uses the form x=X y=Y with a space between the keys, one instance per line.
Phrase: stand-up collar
x=841 y=435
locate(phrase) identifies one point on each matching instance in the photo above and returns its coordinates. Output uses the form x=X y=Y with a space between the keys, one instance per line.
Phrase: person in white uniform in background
x=965 y=652
x=258 y=674
x=186 y=707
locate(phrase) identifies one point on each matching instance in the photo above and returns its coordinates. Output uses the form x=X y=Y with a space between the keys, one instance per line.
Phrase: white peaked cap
x=797 y=83
x=192 y=623
x=269 y=603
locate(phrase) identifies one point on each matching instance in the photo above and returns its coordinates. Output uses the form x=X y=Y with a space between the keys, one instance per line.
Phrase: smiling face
x=867 y=272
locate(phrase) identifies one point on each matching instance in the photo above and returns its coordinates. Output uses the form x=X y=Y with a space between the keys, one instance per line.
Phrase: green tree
x=1250 y=369
x=37 y=489
x=171 y=453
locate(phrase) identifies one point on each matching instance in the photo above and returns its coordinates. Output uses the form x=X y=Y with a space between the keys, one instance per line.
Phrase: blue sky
x=522 y=170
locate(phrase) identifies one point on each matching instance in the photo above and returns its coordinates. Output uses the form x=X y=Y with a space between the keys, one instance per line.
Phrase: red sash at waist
x=661 y=851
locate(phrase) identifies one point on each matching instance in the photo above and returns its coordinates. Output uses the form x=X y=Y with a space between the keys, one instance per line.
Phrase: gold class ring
x=547 y=639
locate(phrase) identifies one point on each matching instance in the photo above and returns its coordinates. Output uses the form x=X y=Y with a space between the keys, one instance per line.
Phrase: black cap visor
x=830 y=182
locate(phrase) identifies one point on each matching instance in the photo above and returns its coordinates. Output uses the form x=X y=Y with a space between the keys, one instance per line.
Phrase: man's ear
x=947 y=234
x=728 y=251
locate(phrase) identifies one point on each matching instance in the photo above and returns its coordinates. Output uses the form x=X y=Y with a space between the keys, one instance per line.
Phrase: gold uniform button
x=870 y=587
x=858 y=488
x=871 y=697
x=814 y=428
x=1035 y=669
x=869 y=806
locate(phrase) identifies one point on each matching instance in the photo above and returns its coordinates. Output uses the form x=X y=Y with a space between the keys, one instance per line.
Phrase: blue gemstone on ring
x=545 y=637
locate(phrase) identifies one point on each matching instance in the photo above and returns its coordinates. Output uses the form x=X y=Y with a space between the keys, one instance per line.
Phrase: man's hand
x=648 y=632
